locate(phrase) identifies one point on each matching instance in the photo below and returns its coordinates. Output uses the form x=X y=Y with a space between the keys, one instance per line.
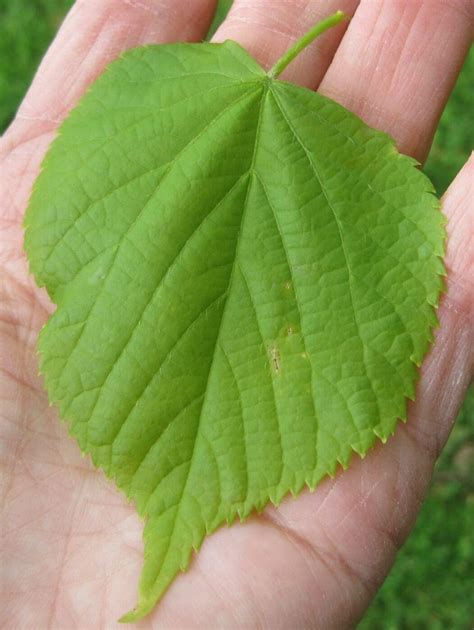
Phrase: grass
x=432 y=582
x=454 y=138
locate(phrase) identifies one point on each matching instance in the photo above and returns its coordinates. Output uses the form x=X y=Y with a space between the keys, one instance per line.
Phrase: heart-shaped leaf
x=244 y=275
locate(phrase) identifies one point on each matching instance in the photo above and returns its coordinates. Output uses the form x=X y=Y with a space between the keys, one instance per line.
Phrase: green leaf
x=245 y=276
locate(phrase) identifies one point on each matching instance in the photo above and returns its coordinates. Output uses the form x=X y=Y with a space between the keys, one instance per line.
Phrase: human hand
x=71 y=545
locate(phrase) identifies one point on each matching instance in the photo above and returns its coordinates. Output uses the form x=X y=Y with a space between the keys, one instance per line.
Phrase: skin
x=71 y=548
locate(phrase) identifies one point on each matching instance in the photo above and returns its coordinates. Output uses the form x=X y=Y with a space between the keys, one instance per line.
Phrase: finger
x=267 y=28
x=397 y=65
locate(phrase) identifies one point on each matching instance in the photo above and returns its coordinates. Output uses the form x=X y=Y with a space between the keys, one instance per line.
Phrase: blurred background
x=432 y=583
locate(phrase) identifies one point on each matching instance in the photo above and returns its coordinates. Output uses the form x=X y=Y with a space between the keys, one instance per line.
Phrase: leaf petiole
x=310 y=36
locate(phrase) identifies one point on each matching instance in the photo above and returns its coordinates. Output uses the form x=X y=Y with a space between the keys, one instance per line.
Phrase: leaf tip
x=137 y=613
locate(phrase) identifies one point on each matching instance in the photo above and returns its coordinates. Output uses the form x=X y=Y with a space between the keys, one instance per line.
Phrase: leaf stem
x=310 y=36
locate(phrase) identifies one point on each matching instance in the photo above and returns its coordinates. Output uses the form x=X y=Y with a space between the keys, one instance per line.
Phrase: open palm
x=71 y=544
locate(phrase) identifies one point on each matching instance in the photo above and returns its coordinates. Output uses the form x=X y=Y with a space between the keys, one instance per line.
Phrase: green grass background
x=432 y=583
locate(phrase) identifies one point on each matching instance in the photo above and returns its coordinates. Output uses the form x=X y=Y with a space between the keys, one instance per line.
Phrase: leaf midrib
x=265 y=92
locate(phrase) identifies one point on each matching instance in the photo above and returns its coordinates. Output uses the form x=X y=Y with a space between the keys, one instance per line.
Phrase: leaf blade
x=241 y=307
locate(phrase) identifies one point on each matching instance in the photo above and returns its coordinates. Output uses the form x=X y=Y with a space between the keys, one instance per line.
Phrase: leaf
x=244 y=275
